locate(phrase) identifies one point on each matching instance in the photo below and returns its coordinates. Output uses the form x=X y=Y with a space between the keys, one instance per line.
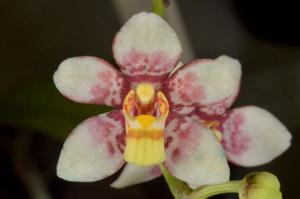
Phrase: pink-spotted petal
x=146 y=48
x=90 y=80
x=93 y=150
x=203 y=82
x=252 y=136
x=213 y=112
x=193 y=154
x=133 y=174
x=185 y=110
x=219 y=108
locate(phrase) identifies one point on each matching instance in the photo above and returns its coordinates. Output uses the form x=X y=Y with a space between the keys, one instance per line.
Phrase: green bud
x=260 y=185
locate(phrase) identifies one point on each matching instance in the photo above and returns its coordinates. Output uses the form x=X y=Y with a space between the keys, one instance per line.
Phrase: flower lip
x=145 y=117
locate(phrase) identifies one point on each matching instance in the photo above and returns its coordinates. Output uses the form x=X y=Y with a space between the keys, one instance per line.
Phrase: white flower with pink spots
x=147 y=50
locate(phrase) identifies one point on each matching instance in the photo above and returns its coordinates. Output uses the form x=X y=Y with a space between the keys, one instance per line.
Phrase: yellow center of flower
x=145 y=114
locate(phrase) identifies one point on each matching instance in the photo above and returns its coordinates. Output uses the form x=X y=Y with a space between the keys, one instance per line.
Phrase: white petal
x=203 y=82
x=252 y=136
x=146 y=48
x=90 y=80
x=193 y=153
x=93 y=150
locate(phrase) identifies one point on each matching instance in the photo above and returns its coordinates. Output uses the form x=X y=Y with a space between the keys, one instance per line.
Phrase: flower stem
x=212 y=190
x=178 y=188
x=158 y=7
x=181 y=190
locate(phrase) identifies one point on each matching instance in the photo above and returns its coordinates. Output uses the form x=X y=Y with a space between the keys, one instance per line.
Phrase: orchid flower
x=153 y=100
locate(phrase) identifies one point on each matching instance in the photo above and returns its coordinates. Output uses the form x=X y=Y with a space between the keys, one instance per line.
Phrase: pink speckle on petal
x=117 y=116
x=102 y=132
x=183 y=137
x=176 y=155
x=99 y=93
x=110 y=89
x=214 y=110
x=237 y=143
x=189 y=89
x=184 y=110
x=220 y=107
x=121 y=142
x=156 y=64
x=105 y=76
x=99 y=129
x=168 y=141
x=146 y=78
x=184 y=89
x=110 y=148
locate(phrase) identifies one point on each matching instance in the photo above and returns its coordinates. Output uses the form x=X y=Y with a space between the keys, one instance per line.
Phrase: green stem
x=158 y=7
x=178 y=188
x=212 y=190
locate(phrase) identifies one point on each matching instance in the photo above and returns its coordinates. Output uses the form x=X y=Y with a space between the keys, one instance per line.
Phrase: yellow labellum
x=144 y=145
x=144 y=151
x=144 y=132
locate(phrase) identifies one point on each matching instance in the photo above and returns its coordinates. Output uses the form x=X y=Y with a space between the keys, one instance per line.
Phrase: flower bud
x=260 y=185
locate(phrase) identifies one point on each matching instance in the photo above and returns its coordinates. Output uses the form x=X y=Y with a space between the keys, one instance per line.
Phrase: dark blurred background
x=35 y=119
